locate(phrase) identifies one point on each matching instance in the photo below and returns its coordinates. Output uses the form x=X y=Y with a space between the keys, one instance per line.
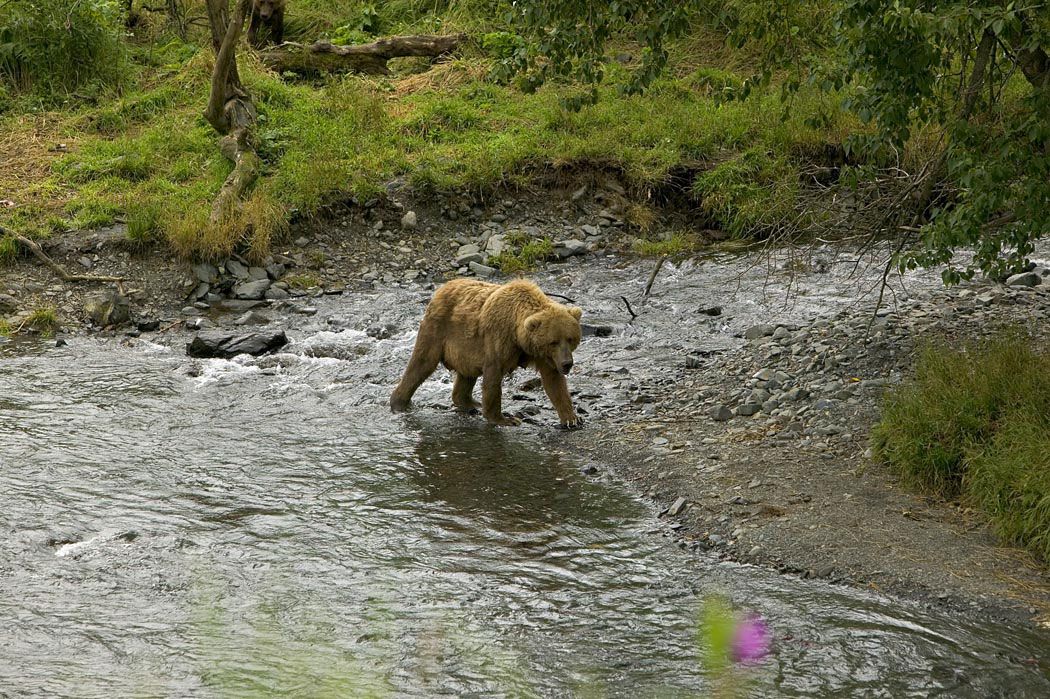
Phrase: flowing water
x=259 y=527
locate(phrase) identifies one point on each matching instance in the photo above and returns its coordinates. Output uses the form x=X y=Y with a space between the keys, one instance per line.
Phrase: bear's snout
x=566 y=367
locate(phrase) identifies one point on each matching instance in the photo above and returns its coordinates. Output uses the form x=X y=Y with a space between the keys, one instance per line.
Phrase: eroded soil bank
x=739 y=396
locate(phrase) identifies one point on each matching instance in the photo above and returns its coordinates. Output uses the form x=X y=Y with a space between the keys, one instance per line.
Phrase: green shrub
x=975 y=423
x=55 y=46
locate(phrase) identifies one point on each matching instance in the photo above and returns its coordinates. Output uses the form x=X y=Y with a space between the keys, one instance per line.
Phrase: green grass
x=523 y=254
x=302 y=281
x=975 y=424
x=449 y=128
x=43 y=320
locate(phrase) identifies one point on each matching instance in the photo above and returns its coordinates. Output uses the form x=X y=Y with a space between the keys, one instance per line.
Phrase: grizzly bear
x=269 y=14
x=478 y=329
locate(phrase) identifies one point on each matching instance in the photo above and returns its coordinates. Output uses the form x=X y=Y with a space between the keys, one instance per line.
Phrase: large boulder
x=109 y=308
x=225 y=344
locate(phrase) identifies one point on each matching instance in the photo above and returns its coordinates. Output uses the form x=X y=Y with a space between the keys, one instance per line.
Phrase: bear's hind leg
x=462 y=394
x=425 y=358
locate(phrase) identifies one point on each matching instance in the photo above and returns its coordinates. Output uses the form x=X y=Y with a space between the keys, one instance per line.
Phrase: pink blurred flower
x=751 y=639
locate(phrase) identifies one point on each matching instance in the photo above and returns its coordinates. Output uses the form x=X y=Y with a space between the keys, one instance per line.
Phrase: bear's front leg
x=557 y=389
x=492 y=397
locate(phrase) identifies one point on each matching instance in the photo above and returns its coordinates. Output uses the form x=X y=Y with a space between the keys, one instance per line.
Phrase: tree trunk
x=364 y=58
x=230 y=110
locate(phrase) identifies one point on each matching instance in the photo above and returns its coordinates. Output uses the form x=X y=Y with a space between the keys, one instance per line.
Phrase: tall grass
x=975 y=424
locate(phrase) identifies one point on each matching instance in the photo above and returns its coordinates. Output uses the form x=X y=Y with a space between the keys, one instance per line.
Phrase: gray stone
x=257 y=273
x=276 y=293
x=468 y=249
x=206 y=273
x=409 y=220
x=676 y=507
x=482 y=270
x=590 y=230
x=1025 y=279
x=236 y=269
x=275 y=270
x=757 y=331
x=108 y=308
x=495 y=245
x=748 y=409
x=781 y=333
x=224 y=344
x=302 y=242
x=251 y=290
x=569 y=248
x=85 y=262
x=720 y=413
x=252 y=318
x=8 y=304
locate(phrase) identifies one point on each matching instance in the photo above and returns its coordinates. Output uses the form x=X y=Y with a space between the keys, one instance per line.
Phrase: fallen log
x=371 y=59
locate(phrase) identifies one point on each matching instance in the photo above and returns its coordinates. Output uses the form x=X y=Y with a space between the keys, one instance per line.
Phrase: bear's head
x=552 y=334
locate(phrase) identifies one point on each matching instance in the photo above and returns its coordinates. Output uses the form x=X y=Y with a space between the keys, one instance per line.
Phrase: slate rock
x=225 y=344
x=108 y=308
x=251 y=291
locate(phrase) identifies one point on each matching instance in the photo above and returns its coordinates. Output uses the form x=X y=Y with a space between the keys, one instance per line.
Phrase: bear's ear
x=575 y=312
x=533 y=322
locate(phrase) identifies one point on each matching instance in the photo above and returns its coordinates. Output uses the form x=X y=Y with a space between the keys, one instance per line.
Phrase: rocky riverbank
x=738 y=395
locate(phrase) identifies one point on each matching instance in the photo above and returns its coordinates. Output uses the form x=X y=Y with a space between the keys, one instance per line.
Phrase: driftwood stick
x=39 y=254
x=629 y=309
x=652 y=277
x=559 y=296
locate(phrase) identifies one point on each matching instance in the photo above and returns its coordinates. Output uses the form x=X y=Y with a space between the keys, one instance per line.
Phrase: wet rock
x=8 y=304
x=239 y=304
x=382 y=332
x=757 y=331
x=223 y=344
x=409 y=220
x=711 y=311
x=148 y=326
x=251 y=291
x=108 y=308
x=482 y=270
x=251 y=318
x=237 y=269
x=596 y=330
x=206 y=273
x=720 y=413
x=1025 y=279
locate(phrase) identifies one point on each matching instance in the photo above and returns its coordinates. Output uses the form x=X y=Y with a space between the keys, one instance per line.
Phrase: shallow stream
x=259 y=527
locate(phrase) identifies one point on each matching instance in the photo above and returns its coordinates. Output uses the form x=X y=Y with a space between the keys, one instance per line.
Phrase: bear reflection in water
x=507 y=480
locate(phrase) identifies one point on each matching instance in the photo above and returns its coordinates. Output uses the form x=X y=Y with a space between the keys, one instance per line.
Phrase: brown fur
x=478 y=329
x=268 y=14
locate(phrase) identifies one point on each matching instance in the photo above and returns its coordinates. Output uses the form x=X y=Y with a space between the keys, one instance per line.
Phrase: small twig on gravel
x=629 y=309
x=652 y=277
x=559 y=296
x=55 y=267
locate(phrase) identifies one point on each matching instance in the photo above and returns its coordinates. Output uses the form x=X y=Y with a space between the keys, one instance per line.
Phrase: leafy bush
x=975 y=423
x=55 y=47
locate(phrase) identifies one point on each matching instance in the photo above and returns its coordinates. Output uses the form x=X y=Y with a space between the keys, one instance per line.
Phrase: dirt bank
x=740 y=397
